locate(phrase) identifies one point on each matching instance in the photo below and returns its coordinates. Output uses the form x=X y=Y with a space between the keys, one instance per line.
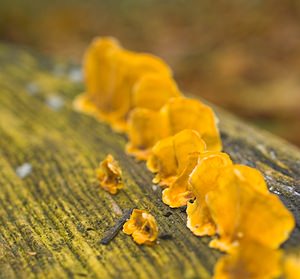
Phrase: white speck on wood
x=154 y=187
x=59 y=70
x=24 y=170
x=115 y=207
x=55 y=102
x=32 y=88
x=76 y=75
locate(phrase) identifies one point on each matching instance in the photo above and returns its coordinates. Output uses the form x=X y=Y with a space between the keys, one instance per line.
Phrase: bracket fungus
x=179 y=192
x=109 y=175
x=145 y=128
x=142 y=227
x=176 y=115
x=291 y=266
x=179 y=138
x=186 y=113
x=249 y=261
x=203 y=179
x=251 y=176
x=152 y=91
x=111 y=73
x=241 y=210
x=170 y=156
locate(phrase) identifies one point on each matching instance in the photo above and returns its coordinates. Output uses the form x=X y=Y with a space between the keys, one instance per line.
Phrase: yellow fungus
x=179 y=192
x=152 y=91
x=111 y=73
x=203 y=179
x=185 y=113
x=176 y=115
x=179 y=138
x=145 y=128
x=251 y=176
x=240 y=211
x=162 y=160
x=249 y=261
x=169 y=156
x=291 y=266
x=109 y=175
x=142 y=227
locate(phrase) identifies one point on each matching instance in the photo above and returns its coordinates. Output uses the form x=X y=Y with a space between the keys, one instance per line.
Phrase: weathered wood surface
x=51 y=221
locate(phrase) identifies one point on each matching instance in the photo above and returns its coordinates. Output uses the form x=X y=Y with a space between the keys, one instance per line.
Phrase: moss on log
x=53 y=216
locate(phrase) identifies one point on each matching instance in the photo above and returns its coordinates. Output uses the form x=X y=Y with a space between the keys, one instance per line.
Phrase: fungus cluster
x=180 y=142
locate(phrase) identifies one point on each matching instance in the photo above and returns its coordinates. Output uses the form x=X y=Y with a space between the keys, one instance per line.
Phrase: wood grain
x=51 y=221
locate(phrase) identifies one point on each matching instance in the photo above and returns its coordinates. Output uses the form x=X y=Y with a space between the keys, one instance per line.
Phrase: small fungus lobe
x=179 y=192
x=186 y=113
x=109 y=175
x=252 y=213
x=170 y=156
x=291 y=266
x=142 y=227
x=249 y=261
x=145 y=128
x=152 y=91
x=202 y=180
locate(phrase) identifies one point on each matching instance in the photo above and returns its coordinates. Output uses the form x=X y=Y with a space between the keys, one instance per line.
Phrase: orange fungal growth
x=135 y=93
x=164 y=169
x=176 y=115
x=100 y=64
x=109 y=175
x=145 y=128
x=152 y=91
x=142 y=227
x=179 y=192
x=250 y=261
x=169 y=156
x=204 y=179
x=185 y=113
x=241 y=212
x=291 y=266
x=111 y=73
x=251 y=176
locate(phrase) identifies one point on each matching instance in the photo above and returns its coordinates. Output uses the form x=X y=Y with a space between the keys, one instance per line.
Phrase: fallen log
x=53 y=215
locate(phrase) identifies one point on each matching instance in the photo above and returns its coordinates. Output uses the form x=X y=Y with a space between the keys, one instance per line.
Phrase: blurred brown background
x=242 y=55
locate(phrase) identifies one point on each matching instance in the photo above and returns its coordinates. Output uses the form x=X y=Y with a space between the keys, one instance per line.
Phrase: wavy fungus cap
x=153 y=90
x=169 y=156
x=142 y=227
x=252 y=176
x=291 y=266
x=251 y=214
x=176 y=115
x=109 y=175
x=179 y=192
x=111 y=73
x=249 y=261
x=145 y=128
x=203 y=179
x=185 y=113
x=102 y=66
